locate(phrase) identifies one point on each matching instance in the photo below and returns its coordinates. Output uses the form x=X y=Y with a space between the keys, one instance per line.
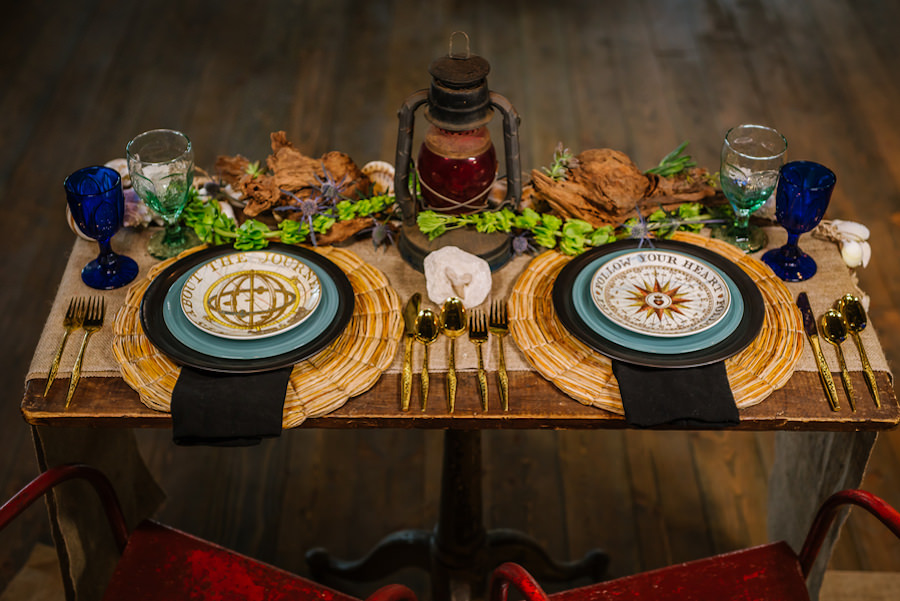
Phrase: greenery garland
x=570 y=236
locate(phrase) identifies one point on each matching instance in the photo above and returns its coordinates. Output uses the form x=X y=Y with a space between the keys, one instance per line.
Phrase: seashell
x=852 y=253
x=381 y=174
x=856 y=254
x=74 y=226
x=121 y=165
x=866 y=253
x=850 y=230
x=227 y=209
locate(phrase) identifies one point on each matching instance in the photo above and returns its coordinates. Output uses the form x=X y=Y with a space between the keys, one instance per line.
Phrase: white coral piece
x=451 y=271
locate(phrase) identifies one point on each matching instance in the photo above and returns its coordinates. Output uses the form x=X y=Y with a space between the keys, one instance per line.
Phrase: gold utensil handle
x=503 y=377
x=54 y=367
x=76 y=371
x=424 y=378
x=845 y=378
x=406 y=381
x=482 y=380
x=825 y=374
x=451 y=376
x=867 y=370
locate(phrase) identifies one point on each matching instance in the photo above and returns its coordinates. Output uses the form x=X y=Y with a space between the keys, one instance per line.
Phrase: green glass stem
x=741 y=224
x=174 y=235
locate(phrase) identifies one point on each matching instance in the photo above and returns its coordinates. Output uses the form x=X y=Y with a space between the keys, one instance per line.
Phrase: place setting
x=238 y=344
x=682 y=332
x=300 y=329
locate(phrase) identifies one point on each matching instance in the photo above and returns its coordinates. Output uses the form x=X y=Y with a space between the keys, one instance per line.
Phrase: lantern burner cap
x=459 y=98
x=460 y=71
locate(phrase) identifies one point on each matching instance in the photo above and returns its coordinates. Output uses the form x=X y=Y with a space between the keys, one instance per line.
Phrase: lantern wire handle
x=450 y=50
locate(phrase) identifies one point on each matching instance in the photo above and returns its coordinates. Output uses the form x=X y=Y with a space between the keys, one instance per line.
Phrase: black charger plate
x=747 y=329
x=158 y=332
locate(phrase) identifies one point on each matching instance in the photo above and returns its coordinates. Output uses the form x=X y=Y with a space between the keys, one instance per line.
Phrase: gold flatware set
x=85 y=314
x=846 y=317
x=453 y=321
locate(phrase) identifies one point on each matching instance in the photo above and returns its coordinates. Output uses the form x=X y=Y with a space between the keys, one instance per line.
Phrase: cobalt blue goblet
x=97 y=204
x=804 y=190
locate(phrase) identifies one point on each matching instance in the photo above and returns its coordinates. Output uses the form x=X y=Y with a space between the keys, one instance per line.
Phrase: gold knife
x=809 y=324
x=410 y=311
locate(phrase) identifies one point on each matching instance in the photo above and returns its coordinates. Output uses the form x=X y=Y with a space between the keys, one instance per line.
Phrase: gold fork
x=478 y=335
x=499 y=327
x=93 y=321
x=71 y=322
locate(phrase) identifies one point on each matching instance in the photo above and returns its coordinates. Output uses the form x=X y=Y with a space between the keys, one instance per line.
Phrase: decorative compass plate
x=250 y=295
x=660 y=293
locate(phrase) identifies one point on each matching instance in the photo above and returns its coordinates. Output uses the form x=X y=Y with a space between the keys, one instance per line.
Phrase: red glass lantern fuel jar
x=456 y=170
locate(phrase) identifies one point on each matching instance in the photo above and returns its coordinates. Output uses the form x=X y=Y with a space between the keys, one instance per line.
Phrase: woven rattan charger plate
x=318 y=385
x=586 y=375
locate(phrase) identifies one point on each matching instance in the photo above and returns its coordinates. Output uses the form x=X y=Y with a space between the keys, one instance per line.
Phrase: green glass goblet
x=161 y=163
x=751 y=158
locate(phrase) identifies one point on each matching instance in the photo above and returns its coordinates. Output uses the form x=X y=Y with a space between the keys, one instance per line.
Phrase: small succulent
x=563 y=161
x=254 y=169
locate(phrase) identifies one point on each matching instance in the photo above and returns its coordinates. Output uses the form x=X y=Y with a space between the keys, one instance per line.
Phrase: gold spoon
x=835 y=332
x=427 y=330
x=855 y=317
x=453 y=324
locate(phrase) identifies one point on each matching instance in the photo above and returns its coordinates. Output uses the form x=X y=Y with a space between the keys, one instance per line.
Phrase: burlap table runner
x=832 y=280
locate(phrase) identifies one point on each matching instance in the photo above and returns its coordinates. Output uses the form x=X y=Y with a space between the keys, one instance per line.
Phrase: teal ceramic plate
x=584 y=321
x=660 y=293
x=255 y=348
x=248 y=295
x=171 y=332
x=587 y=309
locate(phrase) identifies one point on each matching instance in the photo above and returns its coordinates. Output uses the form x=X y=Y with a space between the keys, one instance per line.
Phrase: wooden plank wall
x=81 y=78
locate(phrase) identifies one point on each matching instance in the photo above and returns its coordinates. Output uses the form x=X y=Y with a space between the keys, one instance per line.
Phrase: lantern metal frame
x=495 y=248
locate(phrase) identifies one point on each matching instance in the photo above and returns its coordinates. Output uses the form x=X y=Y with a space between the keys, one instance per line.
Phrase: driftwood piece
x=606 y=187
x=289 y=173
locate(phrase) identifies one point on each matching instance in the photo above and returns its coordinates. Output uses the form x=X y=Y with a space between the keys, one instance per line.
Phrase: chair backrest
x=57 y=475
x=511 y=574
x=162 y=581
x=827 y=513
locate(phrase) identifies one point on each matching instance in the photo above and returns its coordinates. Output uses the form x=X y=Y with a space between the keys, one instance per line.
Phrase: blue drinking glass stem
x=106 y=258
x=793 y=240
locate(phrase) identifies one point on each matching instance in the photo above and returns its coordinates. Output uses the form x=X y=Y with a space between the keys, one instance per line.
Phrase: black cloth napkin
x=689 y=397
x=229 y=410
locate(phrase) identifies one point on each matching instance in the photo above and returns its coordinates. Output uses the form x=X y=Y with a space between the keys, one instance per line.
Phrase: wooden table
x=817 y=452
x=97 y=429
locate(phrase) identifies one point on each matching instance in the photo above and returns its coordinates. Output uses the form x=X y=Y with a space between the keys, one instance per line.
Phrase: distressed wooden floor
x=81 y=78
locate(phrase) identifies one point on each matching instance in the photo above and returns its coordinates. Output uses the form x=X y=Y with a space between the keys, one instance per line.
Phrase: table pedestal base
x=460 y=553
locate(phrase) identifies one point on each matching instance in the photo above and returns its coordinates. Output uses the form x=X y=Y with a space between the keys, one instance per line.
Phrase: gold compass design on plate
x=250 y=295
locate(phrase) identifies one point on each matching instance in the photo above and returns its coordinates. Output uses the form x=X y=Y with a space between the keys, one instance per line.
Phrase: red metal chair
x=762 y=573
x=159 y=562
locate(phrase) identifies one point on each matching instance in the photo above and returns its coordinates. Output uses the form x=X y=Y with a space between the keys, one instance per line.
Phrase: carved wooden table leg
x=460 y=553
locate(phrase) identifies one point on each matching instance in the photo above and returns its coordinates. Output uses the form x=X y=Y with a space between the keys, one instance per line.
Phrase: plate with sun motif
x=660 y=293
x=575 y=308
x=249 y=295
x=601 y=326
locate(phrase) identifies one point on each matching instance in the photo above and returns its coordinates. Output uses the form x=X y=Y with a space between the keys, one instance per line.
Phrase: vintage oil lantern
x=456 y=166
